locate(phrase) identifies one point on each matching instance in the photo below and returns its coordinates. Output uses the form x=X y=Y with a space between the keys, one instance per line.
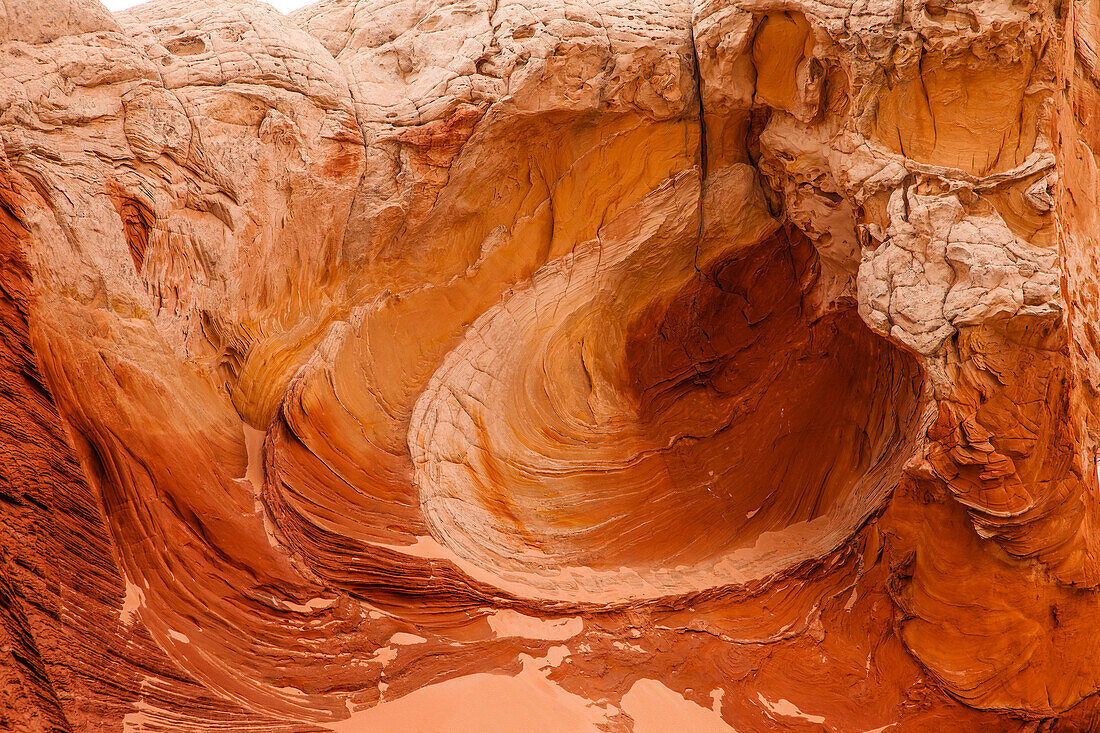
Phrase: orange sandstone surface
x=551 y=366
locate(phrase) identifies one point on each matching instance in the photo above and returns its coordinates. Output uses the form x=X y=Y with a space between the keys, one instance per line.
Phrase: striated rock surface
x=414 y=365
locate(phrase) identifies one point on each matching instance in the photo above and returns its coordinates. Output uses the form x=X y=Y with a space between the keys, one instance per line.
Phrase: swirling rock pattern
x=417 y=365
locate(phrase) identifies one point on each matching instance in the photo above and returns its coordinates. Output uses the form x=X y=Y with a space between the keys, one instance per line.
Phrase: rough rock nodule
x=531 y=365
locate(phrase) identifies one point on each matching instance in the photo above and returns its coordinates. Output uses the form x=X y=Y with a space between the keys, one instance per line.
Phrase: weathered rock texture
x=550 y=366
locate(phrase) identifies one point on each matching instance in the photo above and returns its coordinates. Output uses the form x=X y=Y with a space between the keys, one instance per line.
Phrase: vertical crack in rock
x=702 y=137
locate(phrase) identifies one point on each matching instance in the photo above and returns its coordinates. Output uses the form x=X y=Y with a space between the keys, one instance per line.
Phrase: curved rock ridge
x=418 y=365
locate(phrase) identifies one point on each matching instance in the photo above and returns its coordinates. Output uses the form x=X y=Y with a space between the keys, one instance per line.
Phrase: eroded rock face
x=549 y=366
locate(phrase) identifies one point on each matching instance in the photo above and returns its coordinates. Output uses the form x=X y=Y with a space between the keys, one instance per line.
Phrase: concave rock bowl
x=717 y=434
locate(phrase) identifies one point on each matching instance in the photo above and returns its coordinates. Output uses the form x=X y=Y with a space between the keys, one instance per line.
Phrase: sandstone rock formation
x=431 y=365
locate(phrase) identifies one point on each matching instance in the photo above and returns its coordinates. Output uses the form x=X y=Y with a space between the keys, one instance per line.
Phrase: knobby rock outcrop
x=728 y=365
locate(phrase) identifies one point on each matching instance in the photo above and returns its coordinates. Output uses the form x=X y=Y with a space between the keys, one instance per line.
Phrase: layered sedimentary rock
x=549 y=366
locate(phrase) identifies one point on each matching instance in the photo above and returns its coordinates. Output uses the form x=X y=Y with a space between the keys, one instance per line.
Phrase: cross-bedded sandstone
x=489 y=365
